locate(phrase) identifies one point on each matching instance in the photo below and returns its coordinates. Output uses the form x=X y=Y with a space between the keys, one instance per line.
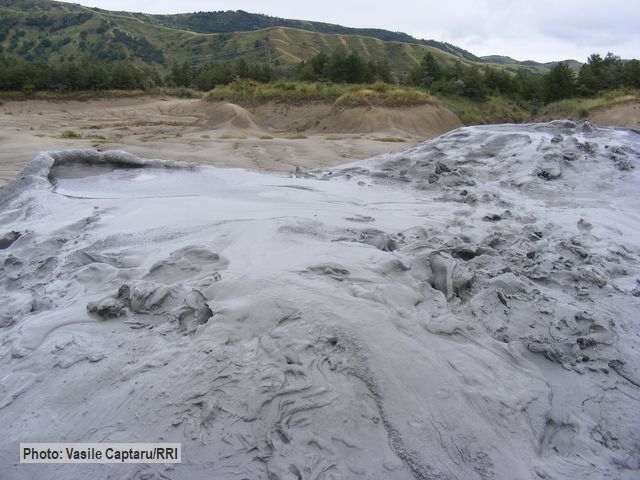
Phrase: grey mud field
x=466 y=308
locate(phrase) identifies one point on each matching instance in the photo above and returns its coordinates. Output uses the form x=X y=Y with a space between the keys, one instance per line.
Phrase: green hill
x=235 y=21
x=56 y=32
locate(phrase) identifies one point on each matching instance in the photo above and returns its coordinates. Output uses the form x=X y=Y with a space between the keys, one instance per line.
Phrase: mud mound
x=218 y=115
x=424 y=120
x=291 y=118
x=228 y=115
x=622 y=115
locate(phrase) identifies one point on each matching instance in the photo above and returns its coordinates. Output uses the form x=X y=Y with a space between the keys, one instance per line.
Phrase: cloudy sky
x=541 y=30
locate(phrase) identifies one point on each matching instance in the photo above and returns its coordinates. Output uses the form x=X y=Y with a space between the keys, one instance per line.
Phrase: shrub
x=69 y=134
x=395 y=97
x=379 y=87
x=390 y=139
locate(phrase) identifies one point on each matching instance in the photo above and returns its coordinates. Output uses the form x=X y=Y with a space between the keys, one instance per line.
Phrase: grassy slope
x=247 y=92
x=583 y=107
x=233 y=21
x=491 y=110
x=288 y=45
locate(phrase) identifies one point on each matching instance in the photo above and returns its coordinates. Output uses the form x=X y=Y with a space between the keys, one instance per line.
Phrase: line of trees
x=17 y=74
x=342 y=68
x=598 y=74
x=206 y=77
x=472 y=81
x=475 y=82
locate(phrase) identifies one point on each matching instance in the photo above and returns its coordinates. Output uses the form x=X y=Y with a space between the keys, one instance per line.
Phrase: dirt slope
x=621 y=115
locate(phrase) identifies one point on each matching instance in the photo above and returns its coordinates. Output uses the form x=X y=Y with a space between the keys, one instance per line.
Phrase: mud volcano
x=464 y=309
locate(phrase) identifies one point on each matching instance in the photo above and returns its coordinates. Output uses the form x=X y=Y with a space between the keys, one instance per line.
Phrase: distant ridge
x=504 y=60
x=57 y=32
x=239 y=20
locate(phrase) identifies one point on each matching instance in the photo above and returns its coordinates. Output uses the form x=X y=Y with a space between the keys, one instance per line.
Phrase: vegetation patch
x=266 y=137
x=250 y=92
x=389 y=97
x=297 y=136
x=389 y=139
x=481 y=112
x=78 y=95
x=70 y=134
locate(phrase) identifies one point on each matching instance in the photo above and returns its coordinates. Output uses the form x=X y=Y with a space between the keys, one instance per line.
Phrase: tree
x=499 y=81
x=471 y=83
x=528 y=86
x=632 y=74
x=380 y=70
x=313 y=69
x=559 y=83
x=181 y=75
x=355 y=70
x=334 y=68
x=426 y=72
x=601 y=73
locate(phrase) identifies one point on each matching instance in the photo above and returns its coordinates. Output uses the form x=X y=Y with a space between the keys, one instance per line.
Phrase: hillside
x=510 y=62
x=53 y=31
x=232 y=21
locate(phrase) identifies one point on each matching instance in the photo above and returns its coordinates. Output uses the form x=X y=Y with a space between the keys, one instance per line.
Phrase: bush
x=390 y=139
x=379 y=87
x=69 y=134
x=395 y=97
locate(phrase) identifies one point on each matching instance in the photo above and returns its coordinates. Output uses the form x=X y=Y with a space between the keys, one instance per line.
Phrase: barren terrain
x=274 y=137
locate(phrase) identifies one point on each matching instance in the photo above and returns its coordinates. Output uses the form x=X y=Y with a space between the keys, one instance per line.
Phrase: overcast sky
x=541 y=30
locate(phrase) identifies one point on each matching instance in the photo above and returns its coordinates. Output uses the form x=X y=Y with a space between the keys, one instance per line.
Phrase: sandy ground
x=622 y=115
x=219 y=134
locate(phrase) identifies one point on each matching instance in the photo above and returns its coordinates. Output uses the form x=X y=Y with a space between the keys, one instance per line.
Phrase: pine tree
x=559 y=83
